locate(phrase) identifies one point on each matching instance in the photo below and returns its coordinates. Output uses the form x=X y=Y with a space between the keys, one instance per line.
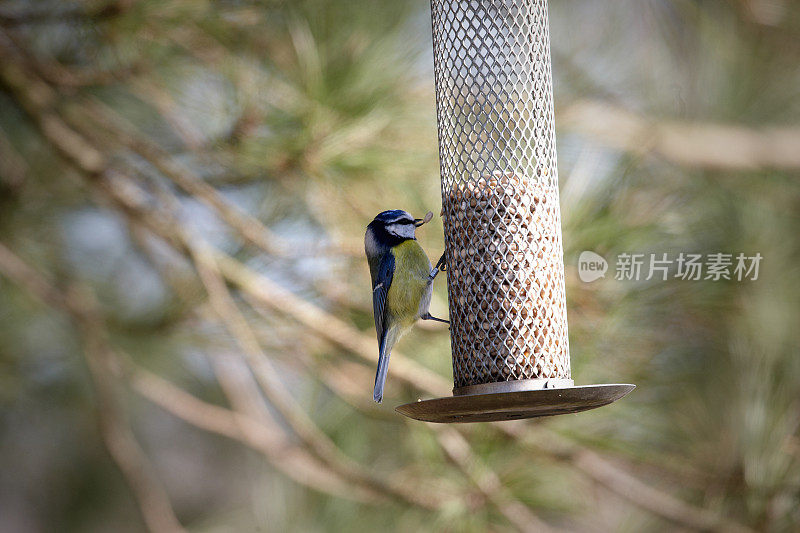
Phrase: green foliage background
x=311 y=117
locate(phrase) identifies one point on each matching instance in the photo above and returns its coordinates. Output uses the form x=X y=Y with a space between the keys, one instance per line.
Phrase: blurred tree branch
x=120 y=442
x=250 y=228
x=694 y=144
x=262 y=435
x=69 y=12
x=278 y=396
x=13 y=167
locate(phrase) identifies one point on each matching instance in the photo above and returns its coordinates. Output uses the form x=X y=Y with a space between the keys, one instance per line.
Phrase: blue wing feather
x=382 y=282
x=380 y=290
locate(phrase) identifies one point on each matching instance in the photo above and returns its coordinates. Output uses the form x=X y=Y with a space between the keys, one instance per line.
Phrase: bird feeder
x=502 y=221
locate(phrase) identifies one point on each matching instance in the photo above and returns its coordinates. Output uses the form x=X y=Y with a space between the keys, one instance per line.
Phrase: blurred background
x=186 y=335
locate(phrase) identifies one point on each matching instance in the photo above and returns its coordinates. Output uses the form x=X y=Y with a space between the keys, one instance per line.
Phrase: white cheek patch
x=405 y=231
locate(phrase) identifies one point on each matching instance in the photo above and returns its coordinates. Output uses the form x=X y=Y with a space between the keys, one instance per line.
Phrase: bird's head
x=394 y=226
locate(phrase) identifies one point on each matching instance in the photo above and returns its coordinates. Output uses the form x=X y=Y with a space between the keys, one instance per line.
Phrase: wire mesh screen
x=502 y=221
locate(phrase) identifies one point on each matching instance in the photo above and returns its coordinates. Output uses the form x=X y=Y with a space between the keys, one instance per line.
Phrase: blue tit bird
x=402 y=282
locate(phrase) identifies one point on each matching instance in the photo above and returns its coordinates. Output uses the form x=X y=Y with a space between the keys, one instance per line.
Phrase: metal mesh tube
x=502 y=222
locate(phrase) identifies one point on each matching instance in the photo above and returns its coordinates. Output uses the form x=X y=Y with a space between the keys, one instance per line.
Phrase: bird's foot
x=428 y=316
x=442 y=263
x=441 y=266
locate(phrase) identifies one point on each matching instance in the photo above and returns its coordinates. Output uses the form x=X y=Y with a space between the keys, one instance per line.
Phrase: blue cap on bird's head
x=398 y=216
x=395 y=225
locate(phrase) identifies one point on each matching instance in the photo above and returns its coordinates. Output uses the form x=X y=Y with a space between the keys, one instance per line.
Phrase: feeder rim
x=517 y=405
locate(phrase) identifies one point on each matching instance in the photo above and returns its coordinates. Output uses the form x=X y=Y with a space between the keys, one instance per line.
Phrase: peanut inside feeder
x=507 y=309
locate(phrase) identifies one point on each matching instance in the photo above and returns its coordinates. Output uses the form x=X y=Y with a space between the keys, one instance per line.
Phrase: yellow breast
x=410 y=281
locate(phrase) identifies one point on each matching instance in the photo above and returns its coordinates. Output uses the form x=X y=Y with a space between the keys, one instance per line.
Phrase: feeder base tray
x=516 y=405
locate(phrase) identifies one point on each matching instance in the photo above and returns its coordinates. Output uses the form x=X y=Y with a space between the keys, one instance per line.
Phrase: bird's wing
x=380 y=289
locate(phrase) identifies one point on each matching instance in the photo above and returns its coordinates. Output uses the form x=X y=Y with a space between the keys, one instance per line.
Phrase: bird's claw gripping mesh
x=502 y=221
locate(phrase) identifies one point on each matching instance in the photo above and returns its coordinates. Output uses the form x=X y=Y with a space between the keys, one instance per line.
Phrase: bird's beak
x=420 y=221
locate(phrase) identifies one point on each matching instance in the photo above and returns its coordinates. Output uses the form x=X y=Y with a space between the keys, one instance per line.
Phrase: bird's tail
x=383 y=366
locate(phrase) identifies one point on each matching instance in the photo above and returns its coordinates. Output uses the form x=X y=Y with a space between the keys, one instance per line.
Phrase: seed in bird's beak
x=420 y=221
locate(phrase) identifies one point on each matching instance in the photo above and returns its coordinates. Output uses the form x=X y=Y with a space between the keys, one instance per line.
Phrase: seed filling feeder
x=502 y=221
